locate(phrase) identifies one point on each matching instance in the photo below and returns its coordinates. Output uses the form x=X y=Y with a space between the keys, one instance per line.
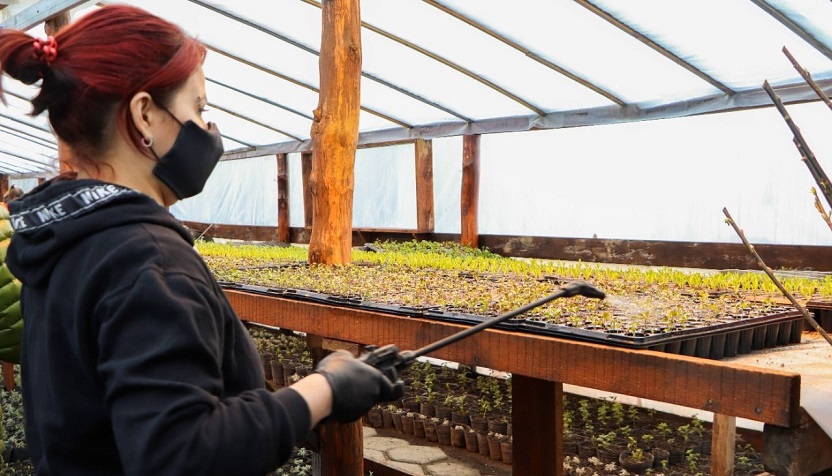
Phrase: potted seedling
x=459 y=414
x=606 y=447
x=634 y=458
x=479 y=421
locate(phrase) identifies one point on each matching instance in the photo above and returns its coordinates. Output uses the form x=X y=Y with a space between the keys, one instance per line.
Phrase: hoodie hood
x=59 y=213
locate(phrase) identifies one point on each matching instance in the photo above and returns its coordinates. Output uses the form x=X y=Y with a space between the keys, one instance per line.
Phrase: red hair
x=103 y=59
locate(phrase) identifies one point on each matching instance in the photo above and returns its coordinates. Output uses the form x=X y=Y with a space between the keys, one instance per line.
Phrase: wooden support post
x=341 y=445
x=8 y=376
x=470 y=190
x=282 y=199
x=424 y=185
x=342 y=450
x=807 y=439
x=537 y=420
x=306 y=168
x=335 y=133
x=4 y=185
x=723 y=441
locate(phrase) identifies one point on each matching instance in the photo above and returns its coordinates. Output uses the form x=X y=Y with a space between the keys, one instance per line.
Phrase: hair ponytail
x=93 y=67
x=18 y=57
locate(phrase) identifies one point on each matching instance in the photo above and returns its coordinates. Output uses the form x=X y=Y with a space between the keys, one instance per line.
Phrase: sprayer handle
x=388 y=360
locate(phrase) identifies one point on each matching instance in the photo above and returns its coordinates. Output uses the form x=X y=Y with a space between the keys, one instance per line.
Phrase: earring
x=148 y=143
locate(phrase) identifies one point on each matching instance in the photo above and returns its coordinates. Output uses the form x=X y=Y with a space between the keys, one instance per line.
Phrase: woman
x=133 y=361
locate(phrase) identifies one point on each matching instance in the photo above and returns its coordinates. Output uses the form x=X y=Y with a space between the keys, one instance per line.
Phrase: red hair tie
x=46 y=50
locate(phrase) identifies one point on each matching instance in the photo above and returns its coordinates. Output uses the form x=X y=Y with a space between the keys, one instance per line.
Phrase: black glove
x=356 y=386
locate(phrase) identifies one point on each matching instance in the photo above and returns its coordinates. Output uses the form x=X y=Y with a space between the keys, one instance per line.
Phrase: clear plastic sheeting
x=641 y=181
x=734 y=41
x=505 y=67
x=385 y=187
x=664 y=180
x=240 y=192
x=575 y=39
x=26 y=184
x=439 y=69
x=814 y=17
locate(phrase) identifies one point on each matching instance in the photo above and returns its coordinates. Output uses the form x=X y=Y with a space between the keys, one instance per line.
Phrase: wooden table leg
x=341 y=445
x=723 y=444
x=8 y=376
x=537 y=423
x=798 y=450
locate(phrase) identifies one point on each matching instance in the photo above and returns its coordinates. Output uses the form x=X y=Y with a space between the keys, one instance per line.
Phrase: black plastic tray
x=727 y=338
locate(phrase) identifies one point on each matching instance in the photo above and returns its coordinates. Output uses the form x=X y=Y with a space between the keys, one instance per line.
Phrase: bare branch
x=819 y=207
x=776 y=281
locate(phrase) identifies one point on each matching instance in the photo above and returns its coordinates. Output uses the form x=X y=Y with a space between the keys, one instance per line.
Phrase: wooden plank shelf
x=544 y=363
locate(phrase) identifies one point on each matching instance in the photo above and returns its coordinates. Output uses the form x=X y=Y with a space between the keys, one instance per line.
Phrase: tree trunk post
x=470 y=190
x=282 y=199
x=335 y=133
x=424 y=185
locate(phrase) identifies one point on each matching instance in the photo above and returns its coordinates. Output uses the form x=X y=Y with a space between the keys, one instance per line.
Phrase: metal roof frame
x=652 y=44
x=531 y=54
x=727 y=99
x=794 y=27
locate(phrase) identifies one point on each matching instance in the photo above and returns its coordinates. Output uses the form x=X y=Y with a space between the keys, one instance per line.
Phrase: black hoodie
x=133 y=361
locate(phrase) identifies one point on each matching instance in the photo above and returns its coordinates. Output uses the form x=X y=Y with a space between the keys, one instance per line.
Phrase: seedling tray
x=726 y=337
x=822 y=308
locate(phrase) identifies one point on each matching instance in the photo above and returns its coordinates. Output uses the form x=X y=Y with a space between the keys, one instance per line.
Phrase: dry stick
x=806 y=154
x=812 y=84
x=819 y=207
x=777 y=282
x=808 y=78
x=204 y=232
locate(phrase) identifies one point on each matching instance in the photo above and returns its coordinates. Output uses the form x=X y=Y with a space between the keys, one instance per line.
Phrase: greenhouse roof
x=435 y=68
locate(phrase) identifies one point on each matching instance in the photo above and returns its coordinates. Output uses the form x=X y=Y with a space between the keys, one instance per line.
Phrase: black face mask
x=187 y=165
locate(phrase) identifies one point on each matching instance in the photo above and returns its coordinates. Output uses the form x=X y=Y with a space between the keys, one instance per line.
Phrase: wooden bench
x=540 y=366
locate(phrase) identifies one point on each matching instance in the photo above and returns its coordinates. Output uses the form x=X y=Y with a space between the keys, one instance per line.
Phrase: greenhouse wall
x=658 y=180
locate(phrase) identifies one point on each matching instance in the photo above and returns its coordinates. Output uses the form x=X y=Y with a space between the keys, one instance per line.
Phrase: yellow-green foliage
x=477 y=281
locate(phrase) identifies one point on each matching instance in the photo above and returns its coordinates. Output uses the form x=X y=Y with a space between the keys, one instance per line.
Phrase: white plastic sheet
x=661 y=180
